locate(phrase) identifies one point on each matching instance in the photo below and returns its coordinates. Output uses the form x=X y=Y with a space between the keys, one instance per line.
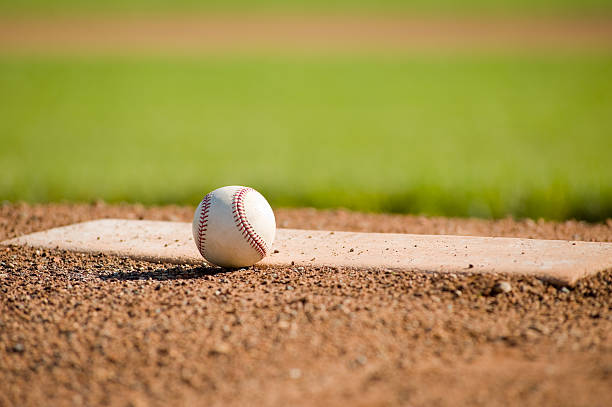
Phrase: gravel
x=95 y=330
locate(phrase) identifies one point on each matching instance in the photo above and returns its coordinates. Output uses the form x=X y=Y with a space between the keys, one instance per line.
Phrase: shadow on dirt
x=172 y=273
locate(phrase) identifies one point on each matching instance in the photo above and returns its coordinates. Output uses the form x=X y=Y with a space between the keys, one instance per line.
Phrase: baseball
x=234 y=226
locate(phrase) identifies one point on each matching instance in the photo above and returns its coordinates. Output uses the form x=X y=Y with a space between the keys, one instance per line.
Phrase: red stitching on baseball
x=203 y=224
x=243 y=224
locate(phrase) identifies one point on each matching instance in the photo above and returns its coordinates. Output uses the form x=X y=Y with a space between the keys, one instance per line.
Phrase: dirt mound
x=84 y=329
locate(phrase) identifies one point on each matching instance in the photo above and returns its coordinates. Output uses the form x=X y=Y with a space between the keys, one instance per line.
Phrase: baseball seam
x=243 y=224
x=203 y=224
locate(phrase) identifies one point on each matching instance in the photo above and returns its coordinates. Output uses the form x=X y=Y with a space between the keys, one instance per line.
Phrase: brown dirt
x=93 y=330
x=298 y=33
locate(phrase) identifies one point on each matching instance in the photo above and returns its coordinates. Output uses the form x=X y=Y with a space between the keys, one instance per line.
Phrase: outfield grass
x=435 y=6
x=453 y=136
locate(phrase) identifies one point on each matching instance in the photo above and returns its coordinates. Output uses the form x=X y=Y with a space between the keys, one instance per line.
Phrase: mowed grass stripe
x=452 y=136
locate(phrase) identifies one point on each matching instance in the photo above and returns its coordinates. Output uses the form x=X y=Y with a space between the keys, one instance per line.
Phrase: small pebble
x=295 y=373
x=501 y=287
x=221 y=349
x=18 y=348
x=362 y=360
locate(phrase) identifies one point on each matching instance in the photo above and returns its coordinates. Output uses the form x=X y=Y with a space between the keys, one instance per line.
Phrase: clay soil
x=94 y=330
x=195 y=34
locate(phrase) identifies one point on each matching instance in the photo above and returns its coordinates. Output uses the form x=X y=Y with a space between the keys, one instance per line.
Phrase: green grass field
x=486 y=136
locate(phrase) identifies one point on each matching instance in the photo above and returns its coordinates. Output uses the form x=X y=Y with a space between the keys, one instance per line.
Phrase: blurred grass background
x=484 y=136
x=455 y=135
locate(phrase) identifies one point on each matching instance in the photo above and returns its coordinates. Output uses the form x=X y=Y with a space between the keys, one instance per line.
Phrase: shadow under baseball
x=172 y=273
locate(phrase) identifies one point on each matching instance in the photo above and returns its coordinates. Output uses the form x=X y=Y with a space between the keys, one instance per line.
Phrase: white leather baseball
x=234 y=226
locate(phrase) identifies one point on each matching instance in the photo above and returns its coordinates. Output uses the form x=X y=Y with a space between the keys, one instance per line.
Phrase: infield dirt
x=290 y=33
x=87 y=329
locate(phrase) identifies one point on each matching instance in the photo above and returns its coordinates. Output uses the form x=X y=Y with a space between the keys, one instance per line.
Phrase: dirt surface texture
x=85 y=329
x=132 y=34
x=560 y=261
